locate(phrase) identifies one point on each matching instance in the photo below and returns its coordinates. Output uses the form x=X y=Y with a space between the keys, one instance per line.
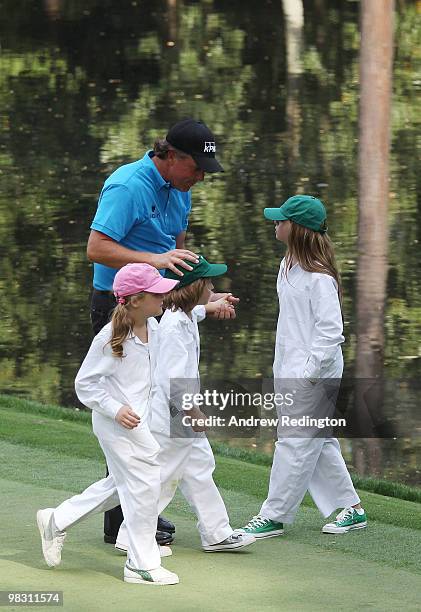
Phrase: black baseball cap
x=195 y=138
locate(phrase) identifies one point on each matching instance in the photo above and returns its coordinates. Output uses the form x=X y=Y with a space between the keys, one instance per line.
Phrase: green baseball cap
x=202 y=269
x=302 y=209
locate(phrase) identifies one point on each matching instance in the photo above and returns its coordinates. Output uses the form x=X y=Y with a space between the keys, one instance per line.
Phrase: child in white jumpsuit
x=187 y=462
x=307 y=352
x=114 y=381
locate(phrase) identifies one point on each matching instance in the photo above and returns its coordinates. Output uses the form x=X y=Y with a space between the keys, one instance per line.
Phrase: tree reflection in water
x=83 y=89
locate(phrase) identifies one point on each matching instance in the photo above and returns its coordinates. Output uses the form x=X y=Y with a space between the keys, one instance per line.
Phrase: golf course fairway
x=378 y=568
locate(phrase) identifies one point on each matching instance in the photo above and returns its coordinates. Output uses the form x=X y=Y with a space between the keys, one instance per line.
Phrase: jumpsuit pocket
x=308 y=378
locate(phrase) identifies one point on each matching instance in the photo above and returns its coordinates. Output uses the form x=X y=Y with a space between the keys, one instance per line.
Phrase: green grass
x=375 y=485
x=279 y=574
x=76 y=441
x=47 y=455
x=17 y=404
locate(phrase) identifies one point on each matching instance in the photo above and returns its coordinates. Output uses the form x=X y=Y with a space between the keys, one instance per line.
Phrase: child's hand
x=225 y=312
x=127 y=418
x=222 y=308
x=196 y=415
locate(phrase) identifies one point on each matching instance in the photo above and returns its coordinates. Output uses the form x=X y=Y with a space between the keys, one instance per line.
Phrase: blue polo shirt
x=140 y=210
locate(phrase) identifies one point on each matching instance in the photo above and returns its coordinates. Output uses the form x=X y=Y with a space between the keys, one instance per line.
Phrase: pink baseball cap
x=136 y=277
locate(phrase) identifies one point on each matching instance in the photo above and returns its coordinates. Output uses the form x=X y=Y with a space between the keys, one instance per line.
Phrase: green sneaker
x=262 y=527
x=345 y=521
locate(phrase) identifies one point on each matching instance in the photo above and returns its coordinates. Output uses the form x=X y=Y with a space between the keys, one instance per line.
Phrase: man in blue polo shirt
x=143 y=210
x=142 y=217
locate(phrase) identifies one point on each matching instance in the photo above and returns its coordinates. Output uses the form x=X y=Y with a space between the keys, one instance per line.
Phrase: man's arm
x=104 y=250
x=180 y=240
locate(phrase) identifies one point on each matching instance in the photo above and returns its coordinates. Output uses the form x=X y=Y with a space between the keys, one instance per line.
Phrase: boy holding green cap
x=185 y=457
x=307 y=352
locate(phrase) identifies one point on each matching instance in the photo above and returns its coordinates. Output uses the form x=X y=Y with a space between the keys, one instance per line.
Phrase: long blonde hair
x=121 y=325
x=314 y=252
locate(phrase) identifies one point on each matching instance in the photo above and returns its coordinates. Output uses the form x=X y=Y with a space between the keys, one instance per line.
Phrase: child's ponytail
x=121 y=326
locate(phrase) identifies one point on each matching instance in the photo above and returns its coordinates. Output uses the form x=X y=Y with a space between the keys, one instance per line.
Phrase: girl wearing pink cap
x=114 y=381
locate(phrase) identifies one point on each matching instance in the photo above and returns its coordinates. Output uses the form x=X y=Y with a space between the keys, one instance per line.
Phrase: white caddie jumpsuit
x=308 y=348
x=186 y=462
x=104 y=383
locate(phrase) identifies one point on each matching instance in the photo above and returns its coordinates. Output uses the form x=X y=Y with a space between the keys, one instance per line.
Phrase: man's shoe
x=51 y=538
x=162 y=538
x=164 y=551
x=165 y=525
x=158 y=576
x=109 y=539
x=234 y=542
x=347 y=520
x=261 y=527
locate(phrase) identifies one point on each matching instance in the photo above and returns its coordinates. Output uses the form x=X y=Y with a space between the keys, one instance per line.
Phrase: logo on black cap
x=195 y=138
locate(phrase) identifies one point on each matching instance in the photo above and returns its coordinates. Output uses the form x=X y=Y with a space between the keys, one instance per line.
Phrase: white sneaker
x=233 y=543
x=52 y=540
x=164 y=551
x=158 y=576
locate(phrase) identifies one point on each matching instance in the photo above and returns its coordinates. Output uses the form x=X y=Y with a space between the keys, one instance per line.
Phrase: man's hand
x=174 y=258
x=223 y=307
x=227 y=296
x=127 y=418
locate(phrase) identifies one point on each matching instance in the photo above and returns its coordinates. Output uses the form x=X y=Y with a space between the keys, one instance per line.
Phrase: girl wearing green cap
x=186 y=458
x=307 y=354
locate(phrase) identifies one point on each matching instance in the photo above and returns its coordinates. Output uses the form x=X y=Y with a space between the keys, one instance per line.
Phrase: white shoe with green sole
x=157 y=577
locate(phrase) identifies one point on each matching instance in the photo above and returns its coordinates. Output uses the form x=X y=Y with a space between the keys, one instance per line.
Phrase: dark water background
x=86 y=86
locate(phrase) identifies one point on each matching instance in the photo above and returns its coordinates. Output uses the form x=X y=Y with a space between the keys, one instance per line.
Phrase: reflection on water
x=83 y=90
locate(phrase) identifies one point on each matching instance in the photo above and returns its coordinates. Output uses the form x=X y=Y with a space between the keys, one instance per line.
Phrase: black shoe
x=109 y=539
x=165 y=525
x=163 y=537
